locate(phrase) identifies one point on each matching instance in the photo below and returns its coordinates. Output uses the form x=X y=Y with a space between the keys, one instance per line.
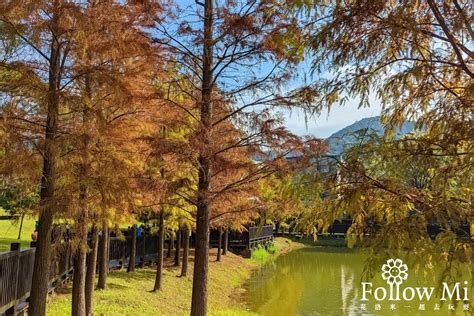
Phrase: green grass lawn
x=129 y=293
x=9 y=232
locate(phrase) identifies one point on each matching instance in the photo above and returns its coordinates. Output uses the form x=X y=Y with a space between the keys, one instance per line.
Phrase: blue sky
x=328 y=123
x=321 y=126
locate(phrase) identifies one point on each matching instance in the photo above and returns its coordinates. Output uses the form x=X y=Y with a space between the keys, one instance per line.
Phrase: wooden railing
x=259 y=235
x=14 y=285
x=340 y=228
x=16 y=266
x=16 y=271
x=119 y=250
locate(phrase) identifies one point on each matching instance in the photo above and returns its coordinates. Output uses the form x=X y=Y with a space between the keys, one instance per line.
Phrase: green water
x=327 y=281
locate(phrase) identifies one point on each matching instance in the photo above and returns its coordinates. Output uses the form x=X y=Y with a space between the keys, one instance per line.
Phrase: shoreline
x=283 y=246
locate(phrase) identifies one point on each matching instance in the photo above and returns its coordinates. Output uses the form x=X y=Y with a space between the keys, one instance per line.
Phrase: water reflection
x=324 y=281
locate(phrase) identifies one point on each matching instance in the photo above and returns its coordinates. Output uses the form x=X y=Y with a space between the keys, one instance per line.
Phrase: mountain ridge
x=346 y=136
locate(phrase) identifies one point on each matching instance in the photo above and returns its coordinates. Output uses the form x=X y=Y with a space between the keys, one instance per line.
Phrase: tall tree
x=415 y=57
x=110 y=101
x=230 y=80
x=45 y=30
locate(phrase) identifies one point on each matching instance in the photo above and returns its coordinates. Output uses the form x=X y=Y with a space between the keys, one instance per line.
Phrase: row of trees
x=115 y=109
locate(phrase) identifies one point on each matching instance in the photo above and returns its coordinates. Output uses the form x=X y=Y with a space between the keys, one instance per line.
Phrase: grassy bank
x=280 y=246
x=128 y=293
x=9 y=232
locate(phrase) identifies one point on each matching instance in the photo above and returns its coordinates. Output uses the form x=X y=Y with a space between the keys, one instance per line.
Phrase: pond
x=327 y=281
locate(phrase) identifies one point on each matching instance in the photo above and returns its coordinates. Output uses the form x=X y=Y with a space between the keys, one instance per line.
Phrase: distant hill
x=347 y=136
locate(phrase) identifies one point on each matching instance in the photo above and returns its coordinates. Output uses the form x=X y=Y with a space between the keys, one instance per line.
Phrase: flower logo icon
x=394 y=271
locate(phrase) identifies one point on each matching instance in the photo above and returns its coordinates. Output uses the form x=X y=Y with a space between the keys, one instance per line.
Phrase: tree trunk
x=170 y=245
x=226 y=242
x=107 y=253
x=178 y=247
x=79 y=277
x=79 y=273
x=91 y=268
x=219 y=246
x=184 y=267
x=41 y=267
x=21 y=225
x=201 y=258
x=79 y=283
x=133 y=250
x=103 y=257
x=161 y=246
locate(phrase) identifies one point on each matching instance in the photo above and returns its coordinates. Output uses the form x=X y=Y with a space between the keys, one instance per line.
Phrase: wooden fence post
x=15 y=246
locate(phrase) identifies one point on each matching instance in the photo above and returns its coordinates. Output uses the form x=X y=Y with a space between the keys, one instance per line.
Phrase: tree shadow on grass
x=137 y=275
x=114 y=286
x=63 y=289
